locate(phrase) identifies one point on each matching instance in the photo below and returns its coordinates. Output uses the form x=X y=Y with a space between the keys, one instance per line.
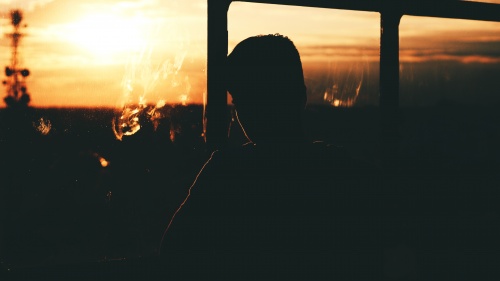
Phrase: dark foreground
x=67 y=215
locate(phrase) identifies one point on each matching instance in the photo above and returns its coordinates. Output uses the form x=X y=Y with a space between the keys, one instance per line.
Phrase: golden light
x=184 y=99
x=43 y=126
x=104 y=162
x=105 y=35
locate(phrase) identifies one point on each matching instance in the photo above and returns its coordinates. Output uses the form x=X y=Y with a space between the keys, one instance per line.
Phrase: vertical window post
x=389 y=81
x=217 y=119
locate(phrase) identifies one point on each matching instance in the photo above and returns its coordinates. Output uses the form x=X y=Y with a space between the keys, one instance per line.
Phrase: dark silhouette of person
x=279 y=207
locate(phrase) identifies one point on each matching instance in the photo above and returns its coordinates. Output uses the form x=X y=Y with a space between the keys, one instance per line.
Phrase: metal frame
x=390 y=15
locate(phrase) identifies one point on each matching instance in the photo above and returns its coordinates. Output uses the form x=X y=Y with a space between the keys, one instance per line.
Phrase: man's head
x=266 y=81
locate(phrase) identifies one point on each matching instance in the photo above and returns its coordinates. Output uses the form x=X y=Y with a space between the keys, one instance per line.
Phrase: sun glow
x=105 y=35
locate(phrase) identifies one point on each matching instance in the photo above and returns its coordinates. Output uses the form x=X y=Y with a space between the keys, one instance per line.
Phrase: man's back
x=303 y=212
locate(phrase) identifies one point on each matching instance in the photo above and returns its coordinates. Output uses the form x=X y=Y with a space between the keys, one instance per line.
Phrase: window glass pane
x=446 y=60
x=94 y=166
x=449 y=92
x=339 y=49
x=340 y=56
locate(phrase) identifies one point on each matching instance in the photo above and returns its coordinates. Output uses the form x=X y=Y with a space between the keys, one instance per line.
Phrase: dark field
x=62 y=206
x=62 y=203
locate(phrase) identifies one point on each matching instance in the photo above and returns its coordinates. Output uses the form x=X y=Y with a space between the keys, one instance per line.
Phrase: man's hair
x=266 y=68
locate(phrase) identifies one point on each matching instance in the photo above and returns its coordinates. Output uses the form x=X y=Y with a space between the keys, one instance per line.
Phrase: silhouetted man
x=279 y=207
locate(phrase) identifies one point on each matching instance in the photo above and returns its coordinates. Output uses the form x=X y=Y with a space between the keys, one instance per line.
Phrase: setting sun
x=106 y=34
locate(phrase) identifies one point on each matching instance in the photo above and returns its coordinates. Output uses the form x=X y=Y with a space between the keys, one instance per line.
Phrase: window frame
x=390 y=16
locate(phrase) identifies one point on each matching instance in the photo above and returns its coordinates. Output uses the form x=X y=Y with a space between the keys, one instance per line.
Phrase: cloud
x=475 y=46
x=339 y=52
x=414 y=49
x=26 y=5
x=458 y=49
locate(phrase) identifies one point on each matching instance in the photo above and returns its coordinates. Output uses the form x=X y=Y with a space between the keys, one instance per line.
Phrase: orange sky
x=109 y=52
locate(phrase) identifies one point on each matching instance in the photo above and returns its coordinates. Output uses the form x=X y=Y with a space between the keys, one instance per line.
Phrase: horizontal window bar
x=442 y=9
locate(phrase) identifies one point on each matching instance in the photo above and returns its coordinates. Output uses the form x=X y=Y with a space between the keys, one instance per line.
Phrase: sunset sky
x=109 y=52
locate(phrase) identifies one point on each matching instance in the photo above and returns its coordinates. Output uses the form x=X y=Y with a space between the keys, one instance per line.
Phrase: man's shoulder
x=312 y=158
x=311 y=148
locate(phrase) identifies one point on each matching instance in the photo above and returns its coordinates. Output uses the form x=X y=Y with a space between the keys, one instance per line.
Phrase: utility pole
x=17 y=93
